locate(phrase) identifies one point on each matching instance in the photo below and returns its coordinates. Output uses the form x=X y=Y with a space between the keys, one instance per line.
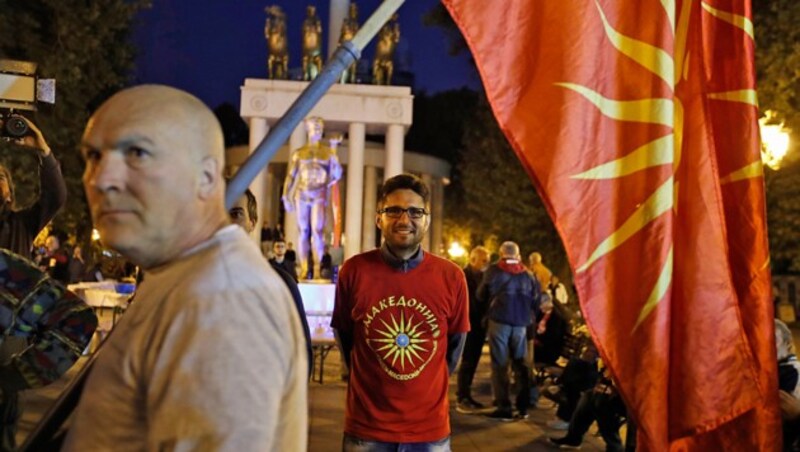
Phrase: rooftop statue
x=312 y=44
x=275 y=32
x=383 y=65
x=349 y=29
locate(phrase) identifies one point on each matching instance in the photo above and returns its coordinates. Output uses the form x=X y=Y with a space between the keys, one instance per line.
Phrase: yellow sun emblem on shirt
x=401 y=340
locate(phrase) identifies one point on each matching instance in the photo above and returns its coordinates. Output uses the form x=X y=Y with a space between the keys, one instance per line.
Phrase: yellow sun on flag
x=664 y=150
x=401 y=340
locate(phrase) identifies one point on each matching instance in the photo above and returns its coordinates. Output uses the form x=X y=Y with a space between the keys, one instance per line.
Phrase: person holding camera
x=18 y=228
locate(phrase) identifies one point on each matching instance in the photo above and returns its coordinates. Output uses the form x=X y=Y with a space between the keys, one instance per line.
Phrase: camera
x=20 y=90
x=12 y=125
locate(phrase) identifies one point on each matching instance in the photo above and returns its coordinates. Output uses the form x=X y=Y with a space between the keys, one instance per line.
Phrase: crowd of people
x=215 y=352
x=522 y=312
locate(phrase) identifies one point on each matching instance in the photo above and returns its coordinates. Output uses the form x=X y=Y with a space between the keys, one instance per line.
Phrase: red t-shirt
x=399 y=323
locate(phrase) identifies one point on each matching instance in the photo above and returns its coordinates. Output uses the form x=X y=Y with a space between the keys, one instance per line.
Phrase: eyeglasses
x=415 y=213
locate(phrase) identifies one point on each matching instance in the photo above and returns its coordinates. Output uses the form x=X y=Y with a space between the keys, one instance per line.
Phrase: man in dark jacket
x=478 y=260
x=512 y=296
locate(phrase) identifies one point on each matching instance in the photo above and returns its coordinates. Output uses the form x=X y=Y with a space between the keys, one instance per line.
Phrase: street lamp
x=456 y=250
x=774 y=140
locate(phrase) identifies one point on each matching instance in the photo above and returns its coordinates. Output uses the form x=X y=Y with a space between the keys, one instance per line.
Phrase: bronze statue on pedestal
x=313 y=170
x=275 y=32
x=383 y=65
x=349 y=29
x=312 y=44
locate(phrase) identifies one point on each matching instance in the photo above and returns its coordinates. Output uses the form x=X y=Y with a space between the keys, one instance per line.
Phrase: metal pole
x=345 y=55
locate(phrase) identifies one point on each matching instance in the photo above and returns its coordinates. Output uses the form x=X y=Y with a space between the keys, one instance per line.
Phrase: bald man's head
x=153 y=178
x=187 y=116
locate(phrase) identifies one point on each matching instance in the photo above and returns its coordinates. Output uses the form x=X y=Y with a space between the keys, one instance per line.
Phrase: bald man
x=210 y=355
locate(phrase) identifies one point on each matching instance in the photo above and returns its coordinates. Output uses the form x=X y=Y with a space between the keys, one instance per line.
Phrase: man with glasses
x=401 y=316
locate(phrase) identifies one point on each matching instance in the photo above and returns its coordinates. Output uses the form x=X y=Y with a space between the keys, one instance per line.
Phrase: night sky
x=209 y=48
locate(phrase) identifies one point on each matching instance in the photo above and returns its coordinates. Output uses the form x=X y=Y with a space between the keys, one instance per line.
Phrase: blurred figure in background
x=478 y=262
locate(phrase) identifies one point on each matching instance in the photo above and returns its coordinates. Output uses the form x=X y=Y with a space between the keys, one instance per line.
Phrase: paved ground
x=470 y=432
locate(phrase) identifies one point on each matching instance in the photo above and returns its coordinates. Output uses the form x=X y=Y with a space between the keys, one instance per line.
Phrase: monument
x=312 y=172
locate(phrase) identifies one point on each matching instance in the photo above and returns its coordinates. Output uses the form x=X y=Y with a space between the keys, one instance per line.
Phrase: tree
x=491 y=198
x=778 y=58
x=499 y=200
x=85 y=47
x=783 y=218
x=438 y=123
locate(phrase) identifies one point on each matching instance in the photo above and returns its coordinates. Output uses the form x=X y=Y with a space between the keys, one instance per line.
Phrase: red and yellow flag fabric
x=636 y=121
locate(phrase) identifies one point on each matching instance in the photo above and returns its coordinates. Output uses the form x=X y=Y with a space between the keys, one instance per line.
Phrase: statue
x=313 y=171
x=349 y=29
x=312 y=44
x=275 y=32
x=383 y=65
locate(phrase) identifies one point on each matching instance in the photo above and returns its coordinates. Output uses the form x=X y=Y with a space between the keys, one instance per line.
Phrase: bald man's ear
x=210 y=177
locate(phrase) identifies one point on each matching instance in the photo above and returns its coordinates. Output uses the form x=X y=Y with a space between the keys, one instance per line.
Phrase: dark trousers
x=606 y=409
x=473 y=347
x=10 y=412
x=570 y=401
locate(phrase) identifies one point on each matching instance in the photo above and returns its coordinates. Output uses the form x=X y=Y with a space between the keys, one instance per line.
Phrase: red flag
x=733 y=115
x=605 y=103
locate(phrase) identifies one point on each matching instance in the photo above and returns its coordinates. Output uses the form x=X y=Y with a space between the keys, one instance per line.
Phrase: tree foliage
x=499 y=201
x=491 y=198
x=783 y=217
x=438 y=123
x=778 y=71
x=83 y=45
x=778 y=58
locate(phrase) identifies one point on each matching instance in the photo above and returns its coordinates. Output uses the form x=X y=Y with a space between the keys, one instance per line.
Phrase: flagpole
x=347 y=53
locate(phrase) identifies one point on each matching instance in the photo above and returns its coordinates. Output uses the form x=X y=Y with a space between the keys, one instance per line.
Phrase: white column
x=296 y=140
x=426 y=241
x=370 y=201
x=258 y=130
x=355 y=189
x=338 y=11
x=267 y=208
x=437 y=214
x=394 y=150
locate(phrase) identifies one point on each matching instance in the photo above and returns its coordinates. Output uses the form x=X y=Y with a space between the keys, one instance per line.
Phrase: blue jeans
x=509 y=342
x=353 y=444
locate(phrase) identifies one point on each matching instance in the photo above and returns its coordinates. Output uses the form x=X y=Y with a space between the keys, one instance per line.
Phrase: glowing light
x=456 y=250
x=774 y=140
x=95 y=235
